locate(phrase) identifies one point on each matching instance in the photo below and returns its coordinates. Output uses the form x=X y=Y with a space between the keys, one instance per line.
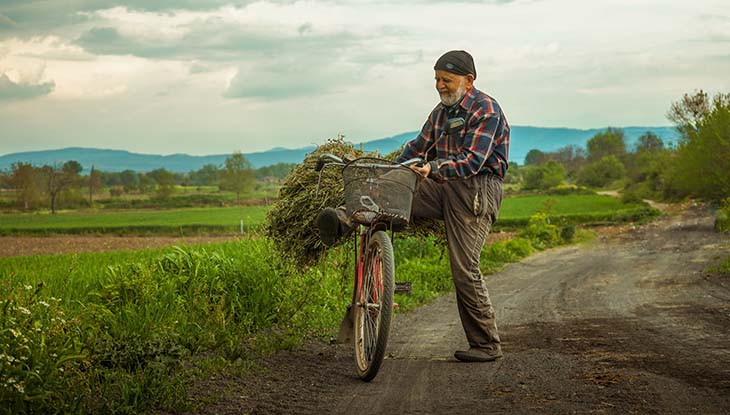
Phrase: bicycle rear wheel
x=374 y=306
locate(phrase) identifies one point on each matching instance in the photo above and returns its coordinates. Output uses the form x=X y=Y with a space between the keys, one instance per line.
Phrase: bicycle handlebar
x=331 y=159
x=321 y=161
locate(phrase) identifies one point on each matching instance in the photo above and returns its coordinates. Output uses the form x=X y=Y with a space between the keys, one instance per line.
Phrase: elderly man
x=465 y=141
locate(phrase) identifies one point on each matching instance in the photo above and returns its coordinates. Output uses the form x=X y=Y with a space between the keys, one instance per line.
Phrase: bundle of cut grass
x=291 y=221
x=304 y=193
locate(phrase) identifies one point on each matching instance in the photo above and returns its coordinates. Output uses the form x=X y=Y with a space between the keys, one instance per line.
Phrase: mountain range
x=522 y=140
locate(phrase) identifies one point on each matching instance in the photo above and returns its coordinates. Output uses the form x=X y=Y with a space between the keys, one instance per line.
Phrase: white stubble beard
x=451 y=99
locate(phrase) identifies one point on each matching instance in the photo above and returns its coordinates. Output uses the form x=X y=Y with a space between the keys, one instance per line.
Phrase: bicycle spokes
x=371 y=306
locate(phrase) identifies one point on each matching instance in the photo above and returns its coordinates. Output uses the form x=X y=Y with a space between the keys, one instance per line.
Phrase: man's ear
x=469 y=81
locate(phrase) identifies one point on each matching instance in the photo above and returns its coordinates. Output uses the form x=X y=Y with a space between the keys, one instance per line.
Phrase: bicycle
x=378 y=197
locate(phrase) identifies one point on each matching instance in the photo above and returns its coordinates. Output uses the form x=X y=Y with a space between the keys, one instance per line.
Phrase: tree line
x=36 y=186
x=698 y=165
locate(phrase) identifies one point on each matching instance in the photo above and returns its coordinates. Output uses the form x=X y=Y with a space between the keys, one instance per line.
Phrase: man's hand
x=424 y=170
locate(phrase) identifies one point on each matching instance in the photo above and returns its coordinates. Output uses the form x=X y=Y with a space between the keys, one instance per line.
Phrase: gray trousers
x=468 y=208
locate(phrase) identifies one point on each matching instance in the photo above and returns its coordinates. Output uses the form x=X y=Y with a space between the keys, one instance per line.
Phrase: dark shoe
x=329 y=226
x=478 y=355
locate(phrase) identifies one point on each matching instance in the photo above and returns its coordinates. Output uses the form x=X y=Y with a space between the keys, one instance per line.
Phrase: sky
x=217 y=76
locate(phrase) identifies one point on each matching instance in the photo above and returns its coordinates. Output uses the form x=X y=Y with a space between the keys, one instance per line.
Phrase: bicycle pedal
x=403 y=287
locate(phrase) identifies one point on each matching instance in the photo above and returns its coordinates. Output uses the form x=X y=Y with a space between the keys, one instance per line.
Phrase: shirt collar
x=466 y=101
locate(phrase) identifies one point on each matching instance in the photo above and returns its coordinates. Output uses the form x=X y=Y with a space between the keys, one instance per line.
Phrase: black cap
x=456 y=61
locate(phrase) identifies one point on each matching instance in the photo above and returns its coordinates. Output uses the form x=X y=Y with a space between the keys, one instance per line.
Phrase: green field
x=514 y=213
x=176 y=221
x=571 y=209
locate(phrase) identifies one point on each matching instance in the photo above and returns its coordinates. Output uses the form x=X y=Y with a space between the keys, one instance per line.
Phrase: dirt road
x=627 y=324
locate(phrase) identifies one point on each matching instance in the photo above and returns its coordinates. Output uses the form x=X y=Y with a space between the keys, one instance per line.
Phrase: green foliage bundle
x=303 y=194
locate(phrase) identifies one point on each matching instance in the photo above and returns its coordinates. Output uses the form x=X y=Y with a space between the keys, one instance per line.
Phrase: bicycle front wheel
x=374 y=306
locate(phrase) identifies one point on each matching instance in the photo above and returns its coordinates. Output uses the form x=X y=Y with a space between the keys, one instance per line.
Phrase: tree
x=58 y=179
x=608 y=143
x=165 y=181
x=207 y=175
x=94 y=184
x=23 y=178
x=534 y=157
x=129 y=179
x=649 y=142
x=238 y=175
x=544 y=177
x=702 y=162
x=278 y=170
x=690 y=110
x=602 y=172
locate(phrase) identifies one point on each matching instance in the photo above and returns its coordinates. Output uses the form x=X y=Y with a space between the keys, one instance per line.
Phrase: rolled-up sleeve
x=419 y=145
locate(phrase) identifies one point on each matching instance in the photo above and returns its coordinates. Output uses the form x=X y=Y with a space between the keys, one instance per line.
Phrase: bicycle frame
x=371 y=307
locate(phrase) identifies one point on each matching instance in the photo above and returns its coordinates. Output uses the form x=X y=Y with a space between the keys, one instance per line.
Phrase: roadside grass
x=722 y=269
x=514 y=214
x=722 y=216
x=175 y=222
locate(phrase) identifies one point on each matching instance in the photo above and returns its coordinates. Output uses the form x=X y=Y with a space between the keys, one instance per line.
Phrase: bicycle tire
x=371 y=327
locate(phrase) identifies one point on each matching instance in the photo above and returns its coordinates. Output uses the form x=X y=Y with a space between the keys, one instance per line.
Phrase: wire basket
x=380 y=190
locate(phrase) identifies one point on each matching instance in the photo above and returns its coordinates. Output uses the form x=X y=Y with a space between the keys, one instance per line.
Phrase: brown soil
x=64 y=244
x=630 y=323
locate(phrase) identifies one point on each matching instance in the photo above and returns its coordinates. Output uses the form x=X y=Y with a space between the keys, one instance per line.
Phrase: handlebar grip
x=320 y=165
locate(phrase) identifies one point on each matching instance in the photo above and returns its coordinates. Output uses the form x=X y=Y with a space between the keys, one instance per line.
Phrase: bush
x=631 y=196
x=496 y=255
x=569 y=189
x=40 y=354
x=540 y=232
x=543 y=177
x=567 y=233
x=602 y=172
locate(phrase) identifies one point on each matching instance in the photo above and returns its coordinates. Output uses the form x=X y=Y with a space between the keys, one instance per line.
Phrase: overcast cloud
x=216 y=76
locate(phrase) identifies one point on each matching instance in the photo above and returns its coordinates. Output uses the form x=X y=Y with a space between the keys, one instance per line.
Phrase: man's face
x=452 y=87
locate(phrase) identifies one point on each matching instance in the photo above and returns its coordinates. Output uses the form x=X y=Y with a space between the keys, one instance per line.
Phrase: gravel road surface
x=630 y=323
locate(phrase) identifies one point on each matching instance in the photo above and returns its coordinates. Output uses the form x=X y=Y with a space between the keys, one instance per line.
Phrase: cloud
x=10 y=90
x=292 y=79
x=6 y=22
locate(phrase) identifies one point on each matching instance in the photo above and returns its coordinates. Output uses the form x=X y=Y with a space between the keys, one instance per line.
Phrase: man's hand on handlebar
x=424 y=170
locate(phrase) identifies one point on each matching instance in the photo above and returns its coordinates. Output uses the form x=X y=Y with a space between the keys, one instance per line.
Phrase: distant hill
x=522 y=140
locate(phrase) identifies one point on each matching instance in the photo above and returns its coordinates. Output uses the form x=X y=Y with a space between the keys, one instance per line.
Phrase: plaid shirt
x=480 y=147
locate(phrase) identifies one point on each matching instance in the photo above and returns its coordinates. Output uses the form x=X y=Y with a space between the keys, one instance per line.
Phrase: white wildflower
x=28 y=287
x=19 y=387
x=24 y=310
x=44 y=304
